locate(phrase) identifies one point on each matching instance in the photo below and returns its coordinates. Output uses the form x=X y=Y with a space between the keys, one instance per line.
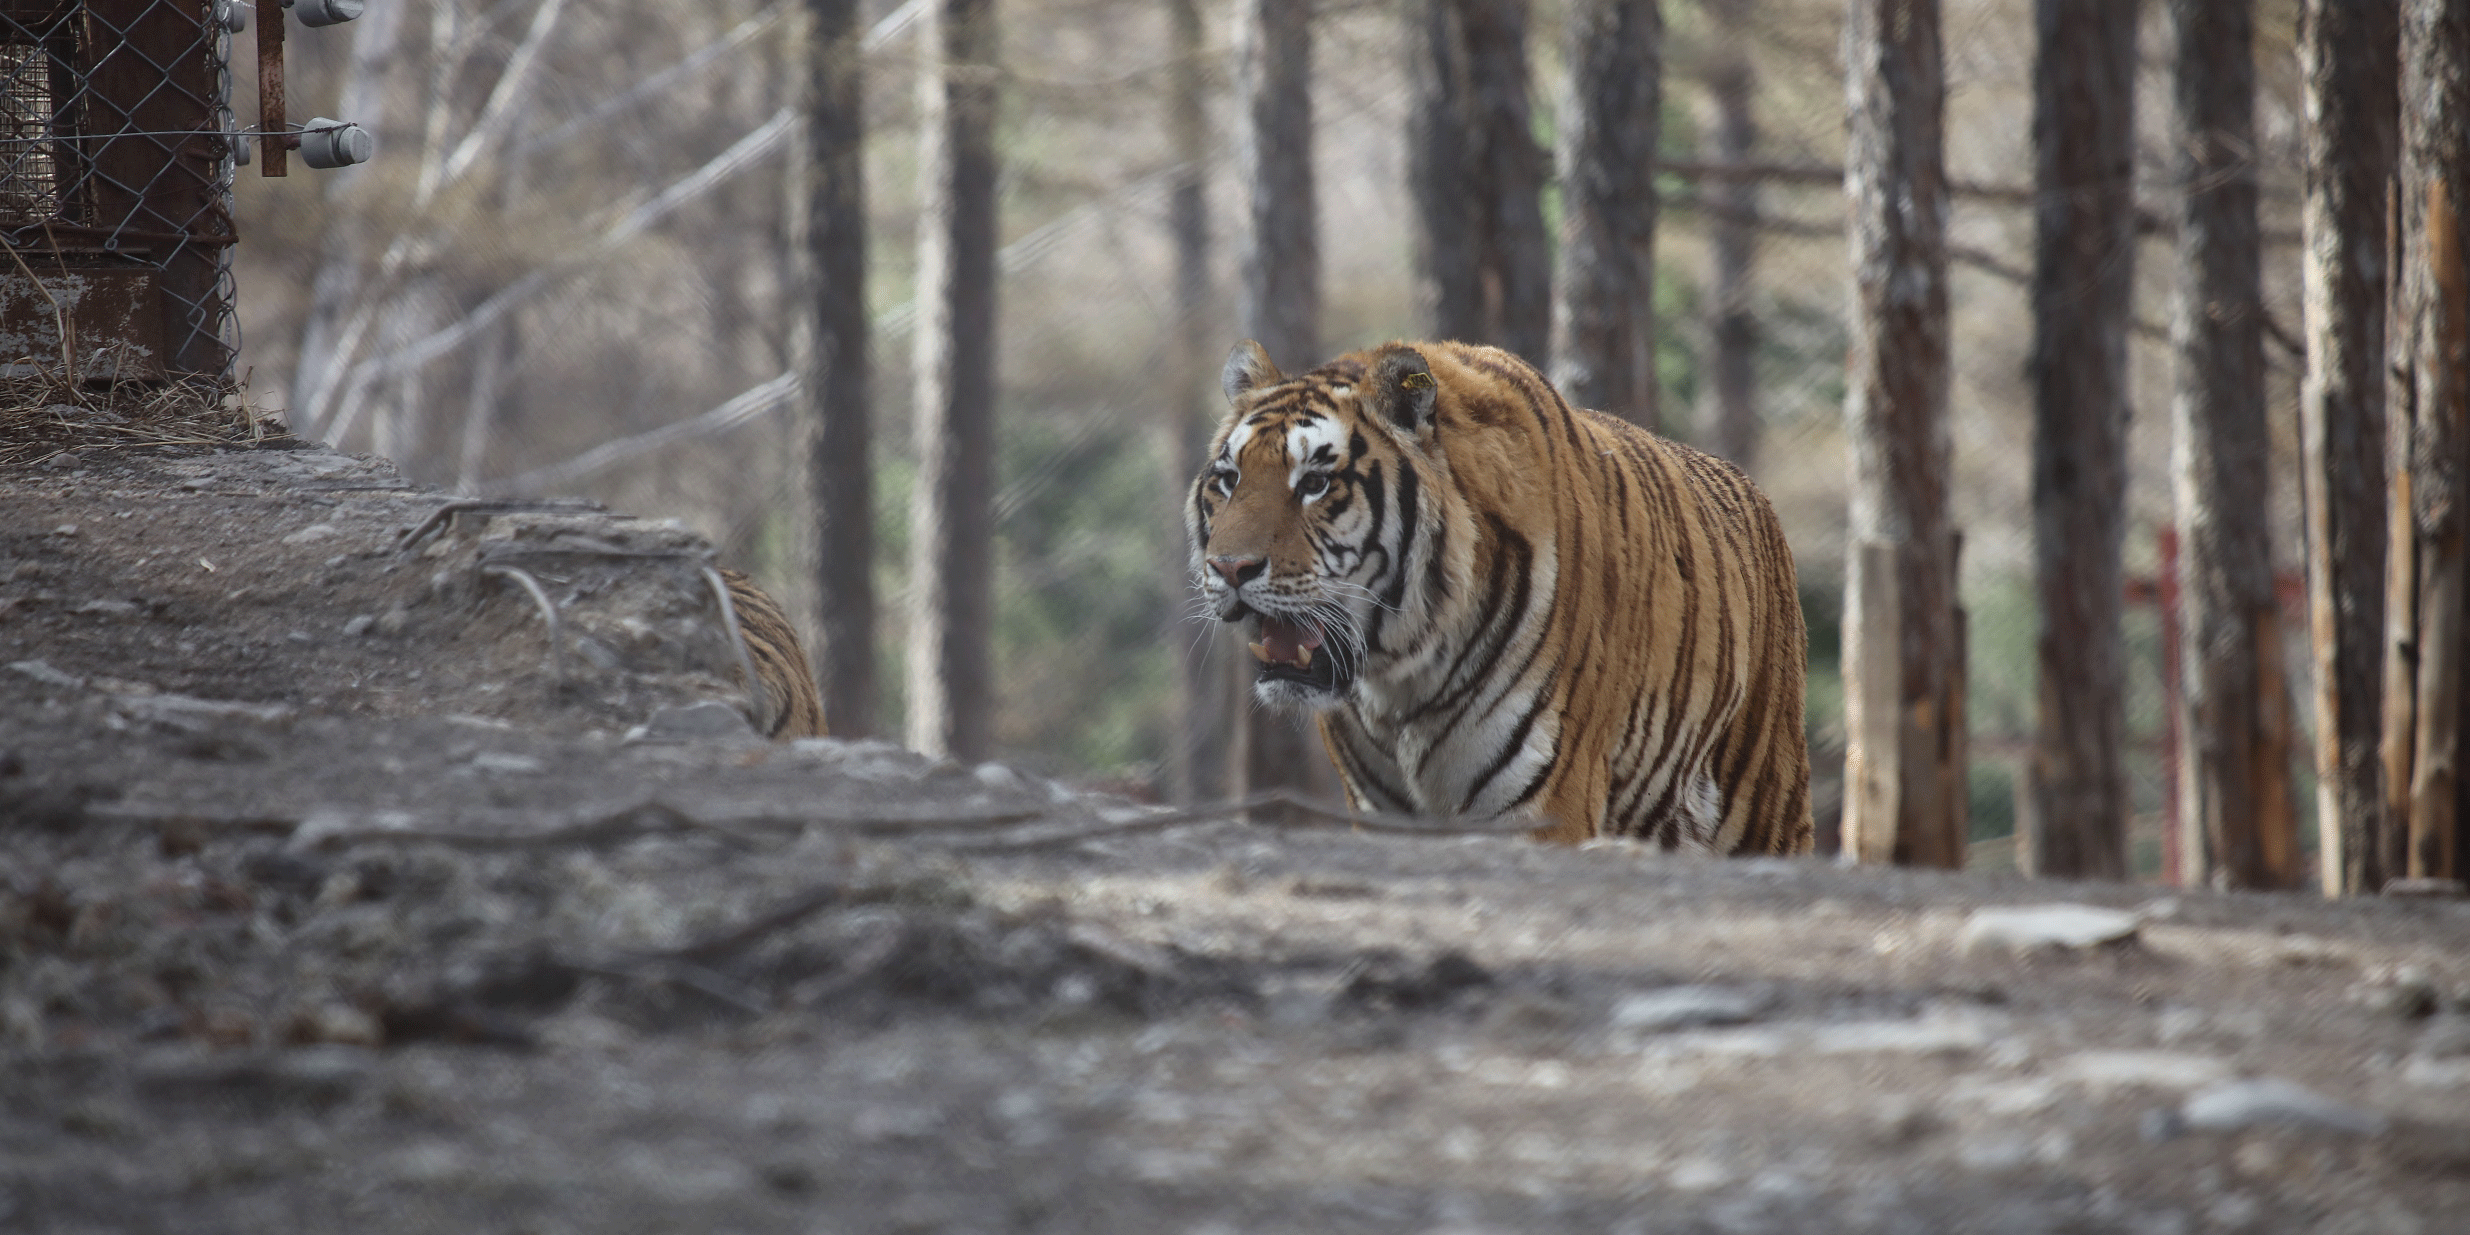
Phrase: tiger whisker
x=1358 y=591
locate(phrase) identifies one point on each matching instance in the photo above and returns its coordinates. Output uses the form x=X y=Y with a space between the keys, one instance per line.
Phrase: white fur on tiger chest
x=1442 y=766
x=1453 y=762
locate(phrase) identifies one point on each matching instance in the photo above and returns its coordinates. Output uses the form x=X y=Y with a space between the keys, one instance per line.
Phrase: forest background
x=575 y=267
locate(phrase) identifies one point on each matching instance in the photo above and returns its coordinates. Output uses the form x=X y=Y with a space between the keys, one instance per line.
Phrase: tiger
x=790 y=706
x=1500 y=607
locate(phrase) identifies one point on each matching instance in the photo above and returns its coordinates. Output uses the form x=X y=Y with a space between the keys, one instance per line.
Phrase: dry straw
x=39 y=420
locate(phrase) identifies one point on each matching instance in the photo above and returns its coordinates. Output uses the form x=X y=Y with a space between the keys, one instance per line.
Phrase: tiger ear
x=1248 y=367
x=1403 y=388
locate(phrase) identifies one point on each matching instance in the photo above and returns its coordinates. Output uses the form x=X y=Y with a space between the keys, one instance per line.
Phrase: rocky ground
x=328 y=901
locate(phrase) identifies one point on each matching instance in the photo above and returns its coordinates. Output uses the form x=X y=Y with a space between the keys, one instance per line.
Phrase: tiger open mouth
x=1290 y=649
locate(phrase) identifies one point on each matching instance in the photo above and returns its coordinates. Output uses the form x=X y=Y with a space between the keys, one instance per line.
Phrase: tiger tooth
x=1303 y=658
x=1260 y=651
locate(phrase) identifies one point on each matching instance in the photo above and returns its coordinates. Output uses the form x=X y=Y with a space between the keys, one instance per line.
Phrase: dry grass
x=41 y=419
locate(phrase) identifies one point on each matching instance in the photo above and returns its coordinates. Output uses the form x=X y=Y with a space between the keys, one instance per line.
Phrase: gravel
x=390 y=934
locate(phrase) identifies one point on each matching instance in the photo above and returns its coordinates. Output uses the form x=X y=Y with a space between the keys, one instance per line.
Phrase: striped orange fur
x=794 y=708
x=1501 y=606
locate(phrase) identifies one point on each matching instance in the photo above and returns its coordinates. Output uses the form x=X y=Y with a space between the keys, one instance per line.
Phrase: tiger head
x=1297 y=515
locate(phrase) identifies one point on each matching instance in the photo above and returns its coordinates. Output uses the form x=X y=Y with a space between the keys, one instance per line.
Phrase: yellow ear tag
x=1415 y=381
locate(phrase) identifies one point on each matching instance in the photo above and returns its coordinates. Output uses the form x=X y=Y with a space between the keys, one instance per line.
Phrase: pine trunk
x=951 y=697
x=1196 y=746
x=840 y=473
x=1604 y=311
x=2349 y=53
x=2430 y=349
x=1903 y=671
x=1478 y=177
x=2234 y=776
x=2083 y=287
x=1281 y=307
x=1731 y=425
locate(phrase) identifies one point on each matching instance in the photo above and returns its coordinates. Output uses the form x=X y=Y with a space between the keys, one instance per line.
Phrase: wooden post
x=1873 y=720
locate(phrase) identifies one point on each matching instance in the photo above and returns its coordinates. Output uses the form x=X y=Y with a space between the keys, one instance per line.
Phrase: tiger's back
x=791 y=706
x=1683 y=650
x=1530 y=610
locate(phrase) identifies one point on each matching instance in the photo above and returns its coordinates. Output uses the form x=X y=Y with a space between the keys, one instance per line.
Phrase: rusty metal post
x=2173 y=844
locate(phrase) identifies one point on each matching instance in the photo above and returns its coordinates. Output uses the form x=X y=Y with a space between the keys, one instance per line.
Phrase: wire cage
x=116 y=161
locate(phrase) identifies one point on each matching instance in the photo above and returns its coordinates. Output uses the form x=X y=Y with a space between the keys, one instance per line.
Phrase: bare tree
x=2234 y=775
x=951 y=697
x=2075 y=824
x=1903 y=641
x=1281 y=305
x=1477 y=177
x=1731 y=420
x=838 y=381
x=1603 y=320
x=2430 y=348
x=2350 y=53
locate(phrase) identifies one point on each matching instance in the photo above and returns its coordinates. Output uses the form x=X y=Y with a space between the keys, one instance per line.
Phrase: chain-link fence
x=116 y=161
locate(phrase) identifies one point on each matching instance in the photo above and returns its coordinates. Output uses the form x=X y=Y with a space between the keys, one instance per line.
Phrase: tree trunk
x=1281 y=258
x=2083 y=290
x=1604 y=314
x=1196 y=743
x=2430 y=349
x=839 y=377
x=2234 y=781
x=1904 y=777
x=1477 y=176
x=2350 y=53
x=1281 y=308
x=1731 y=422
x=951 y=697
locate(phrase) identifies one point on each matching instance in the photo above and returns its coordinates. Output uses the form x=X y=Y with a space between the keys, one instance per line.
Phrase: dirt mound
x=329 y=584
x=329 y=899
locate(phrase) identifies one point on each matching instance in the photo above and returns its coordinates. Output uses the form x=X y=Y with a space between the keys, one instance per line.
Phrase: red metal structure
x=116 y=160
x=2160 y=590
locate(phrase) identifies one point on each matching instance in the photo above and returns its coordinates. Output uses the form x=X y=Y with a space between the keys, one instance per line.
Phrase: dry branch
x=748 y=151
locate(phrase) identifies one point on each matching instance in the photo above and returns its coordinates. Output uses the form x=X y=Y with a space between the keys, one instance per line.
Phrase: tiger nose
x=1238 y=570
